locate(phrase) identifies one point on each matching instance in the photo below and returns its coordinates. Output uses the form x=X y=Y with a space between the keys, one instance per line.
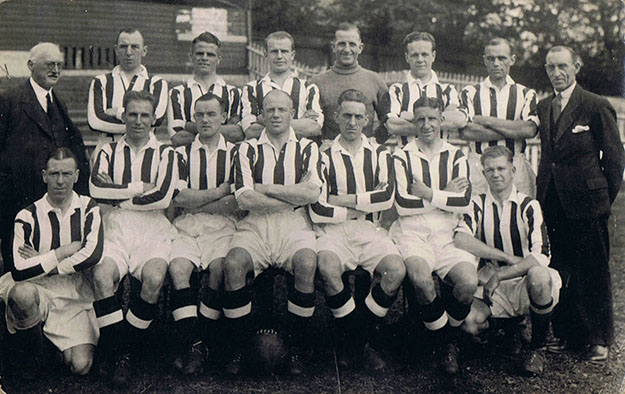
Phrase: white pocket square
x=580 y=128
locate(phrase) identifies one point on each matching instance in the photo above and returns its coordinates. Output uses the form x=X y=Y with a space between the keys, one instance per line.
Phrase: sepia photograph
x=312 y=196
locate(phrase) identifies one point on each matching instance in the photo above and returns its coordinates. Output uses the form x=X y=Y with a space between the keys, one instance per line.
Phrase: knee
x=81 y=363
x=105 y=275
x=153 y=274
x=22 y=297
x=180 y=269
x=329 y=266
x=538 y=280
x=464 y=290
x=216 y=268
x=420 y=276
x=394 y=271
x=237 y=265
x=305 y=265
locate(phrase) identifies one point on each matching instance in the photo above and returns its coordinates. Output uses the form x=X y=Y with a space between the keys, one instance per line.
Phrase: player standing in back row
x=205 y=56
x=280 y=53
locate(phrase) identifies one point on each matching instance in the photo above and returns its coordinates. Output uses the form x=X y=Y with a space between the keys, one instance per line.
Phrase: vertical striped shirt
x=305 y=96
x=515 y=227
x=259 y=161
x=45 y=228
x=107 y=91
x=201 y=169
x=436 y=172
x=359 y=175
x=513 y=102
x=154 y=163
x=182 y=100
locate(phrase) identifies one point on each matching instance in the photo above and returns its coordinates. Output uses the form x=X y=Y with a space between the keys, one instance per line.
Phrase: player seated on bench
x=137 y=176
x=56 y=239
x=275 y=175
x=358 y=185
x=204 y=232
x=511 y=238
x=433 y=192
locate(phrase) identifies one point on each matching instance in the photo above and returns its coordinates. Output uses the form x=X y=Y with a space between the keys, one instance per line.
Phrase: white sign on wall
x=191 y=22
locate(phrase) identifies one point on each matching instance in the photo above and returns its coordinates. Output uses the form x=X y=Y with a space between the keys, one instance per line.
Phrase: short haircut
x=208 y=38
x=419 y=36
x=346 y=26
x=499 y=41
x=129 y=30
x=563 y=48
x=279 y=35
x=495 y=151
x=41 y=47
x=61 y=154
x=280 y=92
x=210 y=97
x=428 y=102
x=139 y=95
x=353 y=95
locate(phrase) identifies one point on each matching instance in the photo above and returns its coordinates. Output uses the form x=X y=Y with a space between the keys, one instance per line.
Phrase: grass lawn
x=483 y=370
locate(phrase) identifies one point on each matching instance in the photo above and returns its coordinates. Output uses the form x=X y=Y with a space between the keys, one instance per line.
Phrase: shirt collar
x=267 y=79
x=39 y=91
x=336 y=145
x=264 y=139
x=488 y=83
x=117 y=71
x=152 y=143
x=197 y=144
x=434 y=80
x=413 y=147
x=566 y=93
x=219 y=82
x=513 y=197
x=45 y=204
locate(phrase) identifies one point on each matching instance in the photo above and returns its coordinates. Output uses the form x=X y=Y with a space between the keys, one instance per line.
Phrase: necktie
x=556 y=107
x=50 y=105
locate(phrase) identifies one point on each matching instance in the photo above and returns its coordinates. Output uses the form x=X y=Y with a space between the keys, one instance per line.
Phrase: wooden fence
x=257 y=64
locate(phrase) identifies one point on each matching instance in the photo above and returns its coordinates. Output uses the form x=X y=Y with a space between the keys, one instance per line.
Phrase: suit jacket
x=26 y=140
x=581 y=155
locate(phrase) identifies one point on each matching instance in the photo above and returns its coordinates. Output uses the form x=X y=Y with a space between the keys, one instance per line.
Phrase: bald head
x=277 y=112
x=278 y=94
x=45 y=64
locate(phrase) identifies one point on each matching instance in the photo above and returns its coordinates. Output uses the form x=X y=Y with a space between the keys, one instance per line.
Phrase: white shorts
x=272 y=239
x=524 y=177
x=131 y=238
x=202 y=238
x=430 y=236
x=65 y=307
x=357 y=243
x=511 y=298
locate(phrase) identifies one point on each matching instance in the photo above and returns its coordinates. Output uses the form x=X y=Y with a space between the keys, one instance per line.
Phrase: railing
x=89 y=57
x=257 y=64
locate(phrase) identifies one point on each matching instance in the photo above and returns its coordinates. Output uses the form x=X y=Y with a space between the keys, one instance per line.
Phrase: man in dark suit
x=33 y=123
x=579 y=176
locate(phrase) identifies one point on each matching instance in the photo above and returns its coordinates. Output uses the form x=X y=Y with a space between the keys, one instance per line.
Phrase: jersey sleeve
x=312 y=162
x=405 y=203
x=109 y=192
x=243 y=164
x=92 y=243
x=322 y=211
x=176 y=117
x=537 y=233
x=34 y=267
x=158 y=88
x=160 y=196
x=97 y=104
x=395 y=94
x=379 y=200
x=454 y=201
x=529 y=111
x=470 y=223
x=234 y=108
x=313 y=101
x=182 y=182
x=249 y=105
x=467 y=100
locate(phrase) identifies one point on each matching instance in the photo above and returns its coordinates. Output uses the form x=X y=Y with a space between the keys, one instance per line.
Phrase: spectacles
x=52 y=65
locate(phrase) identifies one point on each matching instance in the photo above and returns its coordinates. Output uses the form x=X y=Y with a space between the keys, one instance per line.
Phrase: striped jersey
x=360 y=174
x=201 y=169
x=107 y=91
x=154 y=163
x=515 y=227
x=45 y=228
x=513 y=102
x=305 y=96
x=259 y=161
x=182 y=102
x=436 y=172
x=404 y=94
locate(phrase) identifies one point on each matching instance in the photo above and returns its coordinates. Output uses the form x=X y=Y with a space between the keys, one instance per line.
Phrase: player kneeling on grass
x=512 y=239
x=358 y=185
x=433 y=192
x=137 y=175
x=204 y=232
x=56 y=239
x=275 y=175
